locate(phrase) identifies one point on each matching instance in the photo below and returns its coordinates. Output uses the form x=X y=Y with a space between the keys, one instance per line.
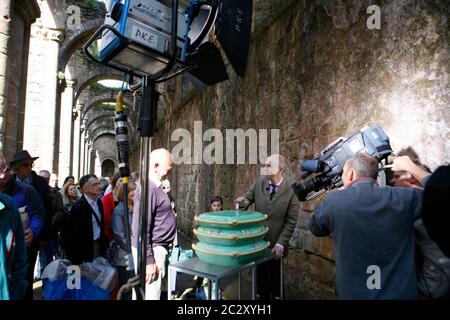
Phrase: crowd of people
x=390 y=242
x=77 y=222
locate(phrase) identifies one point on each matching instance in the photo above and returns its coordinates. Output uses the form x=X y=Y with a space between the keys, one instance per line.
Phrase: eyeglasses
x=92 y=184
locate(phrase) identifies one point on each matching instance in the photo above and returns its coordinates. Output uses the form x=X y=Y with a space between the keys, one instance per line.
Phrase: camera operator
x=373 y=234
x=273 y=196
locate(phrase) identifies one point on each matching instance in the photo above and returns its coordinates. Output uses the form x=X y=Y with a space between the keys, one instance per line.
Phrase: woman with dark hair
x=70 y=179
x=118 y=230
x=69 y=195
x=216 y=204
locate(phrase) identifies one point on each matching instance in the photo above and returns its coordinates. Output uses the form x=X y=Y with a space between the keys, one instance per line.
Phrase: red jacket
x=108 y=207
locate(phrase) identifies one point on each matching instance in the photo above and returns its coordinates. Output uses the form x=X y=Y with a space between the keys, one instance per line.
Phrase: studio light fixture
x=137 y=38
x=157 y=40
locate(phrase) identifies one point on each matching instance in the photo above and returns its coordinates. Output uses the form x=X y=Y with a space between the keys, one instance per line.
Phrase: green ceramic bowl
x=231 y=237
x=231 y=219
x=230 y=256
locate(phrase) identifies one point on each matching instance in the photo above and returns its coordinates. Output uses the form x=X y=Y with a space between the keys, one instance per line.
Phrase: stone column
x=6 y=11
x=15 y=20
x=66 y=130
x=82 y=146
x=97 y=165
x=89 y=157
x=76 y=142
x=86 y=153
x=40 y=110
x=41 y=116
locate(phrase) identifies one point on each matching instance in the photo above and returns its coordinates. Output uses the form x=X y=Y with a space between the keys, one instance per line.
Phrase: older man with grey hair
x=161 y=223
x=373 y=233
x=271 y=193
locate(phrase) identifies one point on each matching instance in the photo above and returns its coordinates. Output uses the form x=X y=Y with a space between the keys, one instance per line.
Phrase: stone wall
x=105 y=149
x=316 y=72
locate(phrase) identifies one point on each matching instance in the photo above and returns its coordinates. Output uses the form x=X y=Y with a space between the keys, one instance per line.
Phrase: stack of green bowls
x=230 y=238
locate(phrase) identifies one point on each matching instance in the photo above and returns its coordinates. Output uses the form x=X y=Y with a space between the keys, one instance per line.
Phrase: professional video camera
x=330 y=163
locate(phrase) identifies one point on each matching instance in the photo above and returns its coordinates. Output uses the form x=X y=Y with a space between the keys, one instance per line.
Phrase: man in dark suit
x=373 y=232
x=272 y=195
x=83 y=227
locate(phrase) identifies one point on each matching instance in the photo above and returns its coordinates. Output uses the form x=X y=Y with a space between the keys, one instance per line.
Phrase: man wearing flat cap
x=22 y=166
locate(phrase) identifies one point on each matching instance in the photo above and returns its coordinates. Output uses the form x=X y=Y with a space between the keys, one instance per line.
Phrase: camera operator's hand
x=152 y=273
x=278 y=250
x=404 y=163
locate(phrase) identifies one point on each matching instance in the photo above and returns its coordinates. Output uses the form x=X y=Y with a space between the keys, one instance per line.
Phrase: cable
x=189 y=13
x=131 y=283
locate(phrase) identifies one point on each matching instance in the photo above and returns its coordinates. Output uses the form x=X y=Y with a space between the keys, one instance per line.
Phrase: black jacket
x=436 y=208
x=77 y=232
x=42 y=187
x=58 y=210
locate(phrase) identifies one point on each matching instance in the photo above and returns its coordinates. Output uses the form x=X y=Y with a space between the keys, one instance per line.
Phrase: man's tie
x=273 y=191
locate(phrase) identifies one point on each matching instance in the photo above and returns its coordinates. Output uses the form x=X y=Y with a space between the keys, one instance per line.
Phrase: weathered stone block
x=312 y=243
x=322 y=270
x=303 y=220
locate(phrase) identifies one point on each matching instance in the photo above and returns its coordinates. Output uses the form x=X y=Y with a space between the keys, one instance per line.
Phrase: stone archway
x=98 y=74
x=75 y=40
x=101 y=130
x=99 y=99
x=102 y=116
x=108 y=168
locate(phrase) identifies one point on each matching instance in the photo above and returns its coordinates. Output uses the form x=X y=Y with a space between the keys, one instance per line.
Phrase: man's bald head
x=161 y=163
x=158 y=155
x=45 y=174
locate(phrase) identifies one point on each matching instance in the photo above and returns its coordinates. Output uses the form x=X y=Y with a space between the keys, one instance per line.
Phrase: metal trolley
x=216 y=273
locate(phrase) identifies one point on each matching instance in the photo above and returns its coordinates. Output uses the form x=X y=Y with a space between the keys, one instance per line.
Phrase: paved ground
x=184 y=284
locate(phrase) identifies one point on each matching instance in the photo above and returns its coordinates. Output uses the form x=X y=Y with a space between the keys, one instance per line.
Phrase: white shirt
x=156 y=181
x=108 y=190
x=277 y=184
x=95 y=225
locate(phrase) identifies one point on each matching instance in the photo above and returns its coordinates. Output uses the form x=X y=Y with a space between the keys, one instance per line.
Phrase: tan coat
x=282 y=210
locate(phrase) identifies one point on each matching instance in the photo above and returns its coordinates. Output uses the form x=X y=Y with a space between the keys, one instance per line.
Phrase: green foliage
x=97 y=86
x=108 y=106
x=92 y=3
